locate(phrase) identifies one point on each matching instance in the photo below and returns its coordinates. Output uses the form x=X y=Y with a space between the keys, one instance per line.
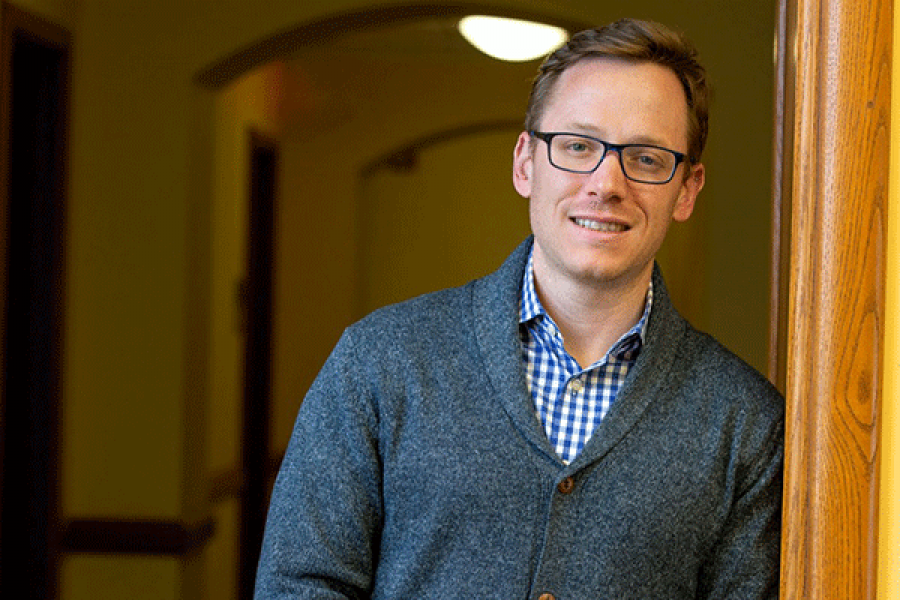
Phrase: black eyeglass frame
x=547 y=138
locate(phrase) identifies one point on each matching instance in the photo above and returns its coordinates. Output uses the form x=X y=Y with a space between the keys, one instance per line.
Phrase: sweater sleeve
x=745 y=562
x=322 y=531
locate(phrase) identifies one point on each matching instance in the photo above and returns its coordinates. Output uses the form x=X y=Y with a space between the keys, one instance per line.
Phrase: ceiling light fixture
x=511 y=39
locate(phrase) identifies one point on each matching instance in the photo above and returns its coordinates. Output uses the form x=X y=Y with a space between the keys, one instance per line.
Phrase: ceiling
x=401 y=70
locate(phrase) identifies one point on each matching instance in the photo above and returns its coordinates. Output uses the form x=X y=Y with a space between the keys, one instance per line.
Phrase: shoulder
x=433 y=314
x=714 y=365
x=736 y=397
x=712 y=388
x=408 y=336
x=489 y=301
x=702 y=365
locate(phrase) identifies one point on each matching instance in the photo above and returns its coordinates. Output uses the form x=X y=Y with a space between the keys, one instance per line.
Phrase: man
x=556 y=429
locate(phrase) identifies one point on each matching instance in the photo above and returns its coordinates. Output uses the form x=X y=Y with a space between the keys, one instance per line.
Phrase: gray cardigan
x=418 y=470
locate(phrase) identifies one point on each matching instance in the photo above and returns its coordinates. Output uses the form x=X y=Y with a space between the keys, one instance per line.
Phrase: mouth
x=603 y=226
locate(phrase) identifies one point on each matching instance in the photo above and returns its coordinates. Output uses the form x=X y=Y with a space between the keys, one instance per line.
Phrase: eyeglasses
x=583 y=154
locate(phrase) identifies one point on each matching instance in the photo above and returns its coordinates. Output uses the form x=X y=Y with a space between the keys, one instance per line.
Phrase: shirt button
x=566 y=486
x=576 y=385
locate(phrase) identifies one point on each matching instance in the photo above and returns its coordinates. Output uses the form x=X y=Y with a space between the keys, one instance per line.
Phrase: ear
x=523 y=165
x=690 y=189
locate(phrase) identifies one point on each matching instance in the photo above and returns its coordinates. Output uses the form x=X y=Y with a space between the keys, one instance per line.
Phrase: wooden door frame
x=832 y=183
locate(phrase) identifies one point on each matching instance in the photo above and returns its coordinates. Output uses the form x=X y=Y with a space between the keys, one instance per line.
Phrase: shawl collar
x=495 y=314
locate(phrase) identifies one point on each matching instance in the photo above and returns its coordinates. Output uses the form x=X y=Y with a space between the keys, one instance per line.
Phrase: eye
x=576 y=146
x=649 y=159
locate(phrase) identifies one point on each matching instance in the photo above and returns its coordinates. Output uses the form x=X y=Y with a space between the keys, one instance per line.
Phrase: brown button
x=547 y=597
x=566 y=485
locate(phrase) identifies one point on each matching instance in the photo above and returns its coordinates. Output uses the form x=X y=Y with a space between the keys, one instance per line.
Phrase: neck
x=591 y=317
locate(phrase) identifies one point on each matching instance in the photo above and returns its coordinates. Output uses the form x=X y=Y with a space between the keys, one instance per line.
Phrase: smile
x=604 y=226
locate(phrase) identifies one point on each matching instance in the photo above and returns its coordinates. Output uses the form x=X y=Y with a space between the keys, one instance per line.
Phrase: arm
x=322 y=531
x=745 y=562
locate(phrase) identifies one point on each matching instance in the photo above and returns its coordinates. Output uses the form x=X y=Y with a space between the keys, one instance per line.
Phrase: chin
x=613 y=275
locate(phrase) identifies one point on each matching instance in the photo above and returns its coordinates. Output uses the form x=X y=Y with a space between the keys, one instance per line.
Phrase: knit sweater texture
x=418 y=469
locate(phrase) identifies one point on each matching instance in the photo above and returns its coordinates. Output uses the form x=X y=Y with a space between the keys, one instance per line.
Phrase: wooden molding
x=121 y=536
x=782 y=176
x=227 y=485
x=840 y=55
x=231 y=483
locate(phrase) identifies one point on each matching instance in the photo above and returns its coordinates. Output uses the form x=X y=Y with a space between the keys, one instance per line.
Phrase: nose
x=608 y=178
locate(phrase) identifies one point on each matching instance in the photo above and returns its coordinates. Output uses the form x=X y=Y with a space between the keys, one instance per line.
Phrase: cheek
x=534 y=214
x=664 y=209
x=553 y=187
x=541 y=215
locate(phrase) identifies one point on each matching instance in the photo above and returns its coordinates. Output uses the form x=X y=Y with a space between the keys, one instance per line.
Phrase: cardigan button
x=566 y=486
x=547 y=597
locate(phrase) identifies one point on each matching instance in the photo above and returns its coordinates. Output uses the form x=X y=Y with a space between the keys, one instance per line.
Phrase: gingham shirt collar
x=530 y=308
x=571 y=401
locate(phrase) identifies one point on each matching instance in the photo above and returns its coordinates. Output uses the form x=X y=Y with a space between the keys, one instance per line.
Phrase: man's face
x=602 y=229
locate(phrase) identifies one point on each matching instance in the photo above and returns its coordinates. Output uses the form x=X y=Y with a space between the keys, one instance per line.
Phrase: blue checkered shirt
x=571 y=401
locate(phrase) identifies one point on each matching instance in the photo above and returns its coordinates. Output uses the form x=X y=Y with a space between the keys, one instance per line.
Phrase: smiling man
x=555 y=430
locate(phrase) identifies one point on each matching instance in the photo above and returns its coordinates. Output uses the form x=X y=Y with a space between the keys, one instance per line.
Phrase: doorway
x=36 y=58
x=258 y=302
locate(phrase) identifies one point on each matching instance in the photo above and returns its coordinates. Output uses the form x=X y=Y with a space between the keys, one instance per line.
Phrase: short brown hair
x=638 y=41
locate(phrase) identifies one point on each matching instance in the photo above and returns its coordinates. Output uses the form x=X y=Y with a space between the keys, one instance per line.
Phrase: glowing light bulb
x=511 y=39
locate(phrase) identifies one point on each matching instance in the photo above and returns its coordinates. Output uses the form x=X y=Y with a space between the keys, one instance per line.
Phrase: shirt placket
x=572 y=414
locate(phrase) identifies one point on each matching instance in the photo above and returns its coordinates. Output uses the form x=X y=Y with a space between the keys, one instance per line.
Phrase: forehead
x=619 y=99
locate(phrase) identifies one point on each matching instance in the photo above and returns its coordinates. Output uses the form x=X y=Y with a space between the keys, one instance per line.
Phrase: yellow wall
x=889 y=506
x=423 y=236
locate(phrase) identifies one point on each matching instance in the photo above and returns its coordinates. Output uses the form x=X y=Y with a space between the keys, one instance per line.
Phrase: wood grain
x=841 y=53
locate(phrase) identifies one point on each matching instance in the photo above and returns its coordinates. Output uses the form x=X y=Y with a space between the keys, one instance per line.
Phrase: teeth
x=600 y=226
